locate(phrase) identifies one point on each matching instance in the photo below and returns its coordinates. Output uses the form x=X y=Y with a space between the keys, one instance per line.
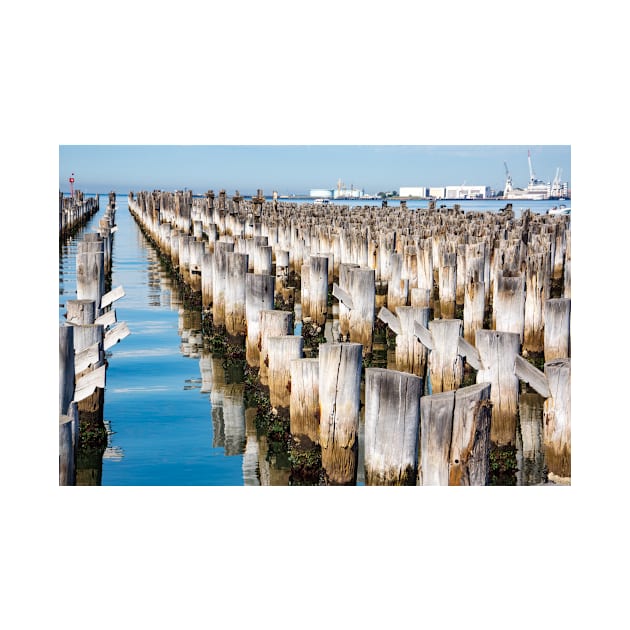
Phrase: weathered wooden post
x=557 y=417
x=212 y=234
x=469 y=455
x=196 y=256
x=263 y=258
x=304 y=401
x=535 y=295
x=105 y=226
x=318 y=289
x=344 y=307
x=447 y=284
x=410 y=266
x=164 y=237
x=197 y=227
x=272 y=324
x=66 y=368
x=281 y=351
x=90 y=271
x=474 y=309
x=425 y=269
x=385 y=247
x=558 y=251
x=436 y=431
x=207 y=273
x=89 y=353
x=509 y=304
x=554 y=384
x=184 y=257
x=478 y=265
x=362 y=289
x=174 y=251
x=455 y=437
x=305 y=293
x=445 y=365
x=420 y=298
x=68 y=444
x=282 y=269
x=497 y=352
x=259 y=296
x=236 y=270
x=397 y=287
x=411 y=354
x=80 y=311
x=339 y=399
x=219 y=278
x=392 y=426
x=557 y=333
x=460 y=272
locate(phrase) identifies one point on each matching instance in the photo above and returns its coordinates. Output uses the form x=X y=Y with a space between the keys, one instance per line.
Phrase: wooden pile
x=479 y=291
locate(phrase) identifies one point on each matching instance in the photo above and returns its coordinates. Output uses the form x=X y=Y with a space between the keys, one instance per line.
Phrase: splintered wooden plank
x=85 y=358
x=385 y=315
x=342 y=296
x=106 y=319
x=424 y=335
x=88 y=383
x=532 y=375
x=113 y=336
x=112 y=296
x=470 y=353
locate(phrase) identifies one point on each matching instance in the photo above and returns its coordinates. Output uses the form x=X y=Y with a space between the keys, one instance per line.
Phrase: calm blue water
x=161 y=420
x=174 y=417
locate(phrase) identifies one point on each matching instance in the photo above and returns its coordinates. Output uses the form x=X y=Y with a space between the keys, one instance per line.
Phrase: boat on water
x=322 y=202
x=560 y=209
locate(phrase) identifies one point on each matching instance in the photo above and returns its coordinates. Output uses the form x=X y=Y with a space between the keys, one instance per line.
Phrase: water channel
x=176 y=414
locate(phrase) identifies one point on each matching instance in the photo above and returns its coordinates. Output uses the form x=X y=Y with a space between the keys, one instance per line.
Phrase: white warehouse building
x=467 y=192
x=345 y=193
x=412 y=191
x=323 y=193
x=437 y=192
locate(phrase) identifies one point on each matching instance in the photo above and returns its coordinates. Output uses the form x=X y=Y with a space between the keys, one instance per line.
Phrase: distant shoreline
x=308 y=198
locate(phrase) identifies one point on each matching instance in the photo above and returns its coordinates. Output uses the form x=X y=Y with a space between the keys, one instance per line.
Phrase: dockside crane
x=556 y=186
x=508 y=181
x=532 y=176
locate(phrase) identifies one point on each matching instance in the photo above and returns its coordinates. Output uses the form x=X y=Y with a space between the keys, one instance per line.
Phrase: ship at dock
x=536 y=189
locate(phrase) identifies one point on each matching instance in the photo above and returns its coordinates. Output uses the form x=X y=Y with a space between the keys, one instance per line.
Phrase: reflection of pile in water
x=228 y=407
x=113 y=453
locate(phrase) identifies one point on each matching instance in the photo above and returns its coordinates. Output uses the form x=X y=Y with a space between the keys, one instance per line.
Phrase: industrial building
x=437 y=192
x=321 y=193
x=467 y=192
x=412 y=191
x=347 y=193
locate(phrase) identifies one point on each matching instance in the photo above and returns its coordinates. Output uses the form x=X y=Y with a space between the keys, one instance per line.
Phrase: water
x=176 y=416
x=160 y=417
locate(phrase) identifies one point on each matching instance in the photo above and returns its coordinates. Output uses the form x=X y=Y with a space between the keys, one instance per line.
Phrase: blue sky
x=298 y=168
